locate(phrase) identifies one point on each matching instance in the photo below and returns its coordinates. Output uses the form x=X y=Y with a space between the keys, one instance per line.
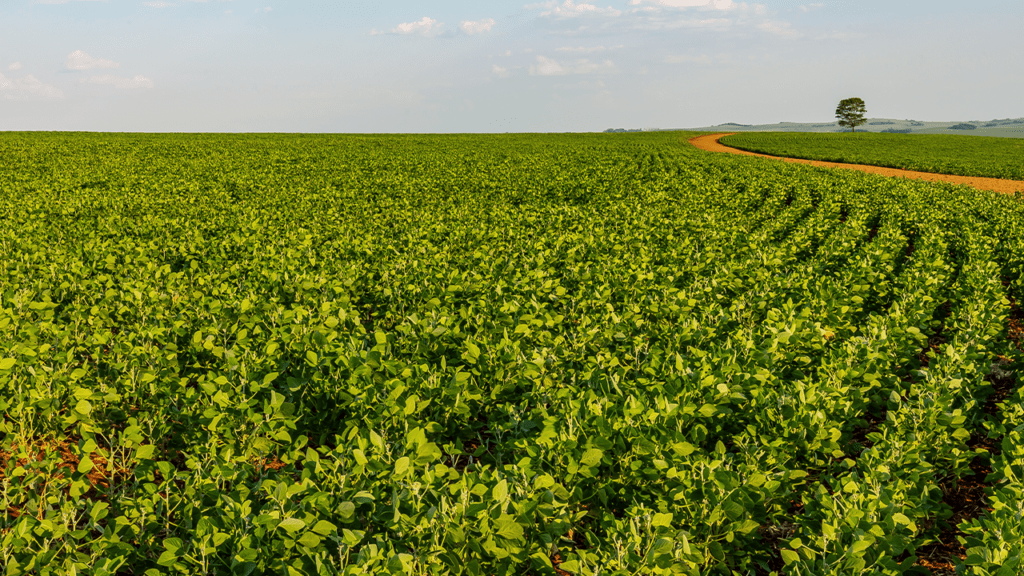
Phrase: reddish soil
x=98 y=477
x=710 y=143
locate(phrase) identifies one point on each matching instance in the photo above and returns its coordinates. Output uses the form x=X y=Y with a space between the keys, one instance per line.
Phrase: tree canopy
x=850 y=113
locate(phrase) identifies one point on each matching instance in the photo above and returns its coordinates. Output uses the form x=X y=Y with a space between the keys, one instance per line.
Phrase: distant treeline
x=1004 y=122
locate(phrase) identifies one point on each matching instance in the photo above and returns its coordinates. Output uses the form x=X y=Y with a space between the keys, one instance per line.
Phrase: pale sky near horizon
x=498 y=66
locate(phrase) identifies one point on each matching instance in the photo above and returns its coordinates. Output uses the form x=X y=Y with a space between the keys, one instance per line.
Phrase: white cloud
x=79 y=60
x=653 y=15
x=15 y=66
x=570 y=9
x=28 y=88
x=499 y=71
x=811 y=7
x=479 y=27
x=59 y=1
x=159 y=4
x=264 y=10
x=660 y=20
x=119 y=82
x=549 y=67
x=719 y=4
x=426 y=26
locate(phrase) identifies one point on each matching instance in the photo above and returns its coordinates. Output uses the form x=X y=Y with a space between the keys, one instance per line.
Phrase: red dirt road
x=711 y=143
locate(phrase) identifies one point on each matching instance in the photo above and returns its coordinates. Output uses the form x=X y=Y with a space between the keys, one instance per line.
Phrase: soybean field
x=603 y=354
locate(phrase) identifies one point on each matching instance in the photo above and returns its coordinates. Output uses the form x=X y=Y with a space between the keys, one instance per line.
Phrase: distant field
x=1002 y=128
x=944 y=154
x=1016 y=131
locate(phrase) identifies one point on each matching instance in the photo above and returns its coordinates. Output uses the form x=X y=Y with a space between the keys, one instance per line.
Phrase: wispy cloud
x=478 y=27
x=119 y=82
x=28 y=88
x=159 y=4
x=425 y=26
x=15 y=66
x=79 y=60
x=578 y=19
x=499 y=71
x=570 y=9
x=811 y=7
x=718 y=4
x=545 y=66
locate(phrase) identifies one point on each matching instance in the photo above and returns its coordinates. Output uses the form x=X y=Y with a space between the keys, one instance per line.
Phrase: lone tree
x=851 y=113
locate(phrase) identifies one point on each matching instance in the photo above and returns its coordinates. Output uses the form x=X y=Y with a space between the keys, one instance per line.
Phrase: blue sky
x=460 y=66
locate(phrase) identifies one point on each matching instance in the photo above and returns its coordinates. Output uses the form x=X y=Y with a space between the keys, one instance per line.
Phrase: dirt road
x=711 y=143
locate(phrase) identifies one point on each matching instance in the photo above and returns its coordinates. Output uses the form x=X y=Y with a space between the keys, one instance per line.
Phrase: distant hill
x=1006 y=128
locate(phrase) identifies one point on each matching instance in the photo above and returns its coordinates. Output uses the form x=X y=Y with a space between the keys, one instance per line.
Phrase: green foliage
x=605 y=354
x=942 y=154
x=850 y=113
